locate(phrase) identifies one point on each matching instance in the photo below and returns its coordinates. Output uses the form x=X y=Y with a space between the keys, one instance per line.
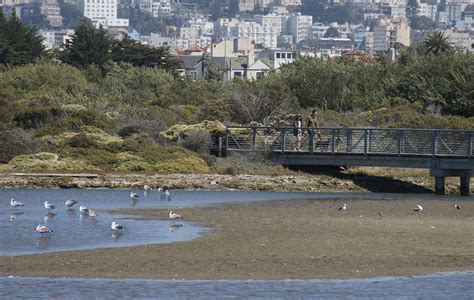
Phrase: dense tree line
x=134 y=91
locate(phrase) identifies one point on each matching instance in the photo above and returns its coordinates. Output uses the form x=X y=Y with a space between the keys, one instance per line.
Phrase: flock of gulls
x=116 y=227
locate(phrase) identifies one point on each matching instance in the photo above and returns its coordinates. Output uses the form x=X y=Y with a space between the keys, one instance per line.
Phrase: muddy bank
x=286 y=240
x=338 y=182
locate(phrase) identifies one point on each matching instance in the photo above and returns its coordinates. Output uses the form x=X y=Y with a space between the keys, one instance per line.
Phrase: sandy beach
x=286 y=240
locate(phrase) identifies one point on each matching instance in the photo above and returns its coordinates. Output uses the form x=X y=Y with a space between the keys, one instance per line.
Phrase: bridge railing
x=382 y=141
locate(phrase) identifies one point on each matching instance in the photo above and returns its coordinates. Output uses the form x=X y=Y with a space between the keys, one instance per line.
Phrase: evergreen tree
x=139 y=55
x=88 y=46
x=19 y=44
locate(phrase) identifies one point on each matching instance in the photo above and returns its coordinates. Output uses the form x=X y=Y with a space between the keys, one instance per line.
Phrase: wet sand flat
x=286 y=240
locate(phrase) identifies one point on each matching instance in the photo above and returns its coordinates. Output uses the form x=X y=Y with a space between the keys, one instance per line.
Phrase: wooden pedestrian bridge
x=445 y=152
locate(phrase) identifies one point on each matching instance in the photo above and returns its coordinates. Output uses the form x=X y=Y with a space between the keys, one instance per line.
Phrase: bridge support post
x=440 y=185
x=465 y=188
x=441 y=174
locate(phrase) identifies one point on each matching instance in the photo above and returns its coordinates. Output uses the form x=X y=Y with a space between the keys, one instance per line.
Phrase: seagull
x=116 y=226
x=133 y=195
x=343 y=207
x=457 y=206
x=15 y=204
x=70 y=202
x=93 y=214
x=167 y=194
x=49 y=205
x=418 y=208
x=159 y=189
x=83 y=209
x=43 y=229
x=174 y=216
x=147 y=188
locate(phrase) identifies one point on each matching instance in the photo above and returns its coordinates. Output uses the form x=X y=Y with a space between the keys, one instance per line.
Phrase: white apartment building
x=103 y=12
x=264 y=3
x=271 y=21
x=460 y=39
x=428 y=10
x=369 y=41
x=290 y=2
x=49 y=41
x=161 y=8
x=189 y=33
x=299 y=27
x=387 y=33
x=247 y=5
x=267 y=36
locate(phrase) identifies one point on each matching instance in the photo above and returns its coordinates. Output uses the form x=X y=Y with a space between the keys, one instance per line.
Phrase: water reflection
x=165 y=197
x=43 y=242
x=49 y=216
x=175 y=226
x=70 y=212
x=133 y=201
x=146 y=193
x=116 y=235
x=15 y=215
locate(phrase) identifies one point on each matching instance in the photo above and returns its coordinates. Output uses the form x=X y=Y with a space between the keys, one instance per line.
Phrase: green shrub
x=83 y=141
x=44 y=161
x=197 y=141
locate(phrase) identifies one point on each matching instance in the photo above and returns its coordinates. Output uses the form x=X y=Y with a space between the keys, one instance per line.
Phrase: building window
x=259 y=75
x=278 y=55
x=237 y=74
x=288 y=55
x=283 y=55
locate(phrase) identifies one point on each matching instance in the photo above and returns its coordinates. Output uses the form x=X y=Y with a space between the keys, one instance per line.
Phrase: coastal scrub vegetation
x=122 y=109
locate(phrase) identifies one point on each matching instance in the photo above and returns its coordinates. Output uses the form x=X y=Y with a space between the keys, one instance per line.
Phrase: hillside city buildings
x=245 y=38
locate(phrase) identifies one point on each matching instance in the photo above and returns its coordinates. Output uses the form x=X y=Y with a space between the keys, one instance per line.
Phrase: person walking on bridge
x=312 y=123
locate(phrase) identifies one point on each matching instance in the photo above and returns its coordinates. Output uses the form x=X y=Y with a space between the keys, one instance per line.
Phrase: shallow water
x=75 y=231
x=444 y=286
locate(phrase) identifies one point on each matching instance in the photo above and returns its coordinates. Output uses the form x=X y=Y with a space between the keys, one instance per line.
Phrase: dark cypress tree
x=89 y=46
x=19 y=44
x=3 y=40
x=137 y=54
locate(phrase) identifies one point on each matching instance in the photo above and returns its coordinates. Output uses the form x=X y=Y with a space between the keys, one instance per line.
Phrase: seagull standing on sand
x=174 y=216
x=418 y=208
x=49 y=205
x=15 y=204
x=133 y=195
x=83 y=209
x=457 y=206
x=343 y=207
x=43 y=229
x=116 y=226
x=70 y=202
